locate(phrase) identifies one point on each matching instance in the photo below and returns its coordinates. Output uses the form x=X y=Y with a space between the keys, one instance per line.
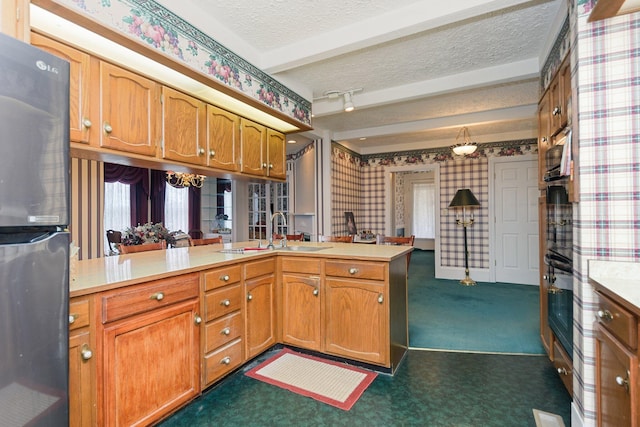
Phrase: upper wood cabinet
x=560 y=97
x=544 y=137
x=81 y=127
x=222 y=139
x=130 y=118
x=276 y=154
x=253 y=148
x=183 y=127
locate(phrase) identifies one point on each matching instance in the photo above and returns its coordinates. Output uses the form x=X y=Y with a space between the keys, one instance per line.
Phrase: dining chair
x=208 y=241
x=131 y=249
x=403 y=241
x=290 y=237
x=340 y=239
x=114 y=238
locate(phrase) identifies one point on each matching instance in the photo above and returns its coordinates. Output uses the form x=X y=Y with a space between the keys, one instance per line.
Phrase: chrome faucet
x=284 y=236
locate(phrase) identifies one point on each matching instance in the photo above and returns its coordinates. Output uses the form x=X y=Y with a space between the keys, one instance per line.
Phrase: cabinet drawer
x=221 y=277
x=139 y=299
x=222 y=331
x=301 y=265
x=222 y=302
x=222 y=361
x=618 y=321
x=259 y=268
x=357 y=269
x=78 y=313
x=563 y=365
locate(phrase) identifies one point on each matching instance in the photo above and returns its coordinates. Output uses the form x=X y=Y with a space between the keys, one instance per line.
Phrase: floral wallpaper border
x=559 y=50
x=444 y=154
x=161 y=29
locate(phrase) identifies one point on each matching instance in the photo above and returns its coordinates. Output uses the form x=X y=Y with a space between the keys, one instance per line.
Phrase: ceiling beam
x=490 y=76
x=470 y=119
x=417 y=17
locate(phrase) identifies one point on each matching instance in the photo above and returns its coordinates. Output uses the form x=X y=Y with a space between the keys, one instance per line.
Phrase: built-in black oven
x=559 y=254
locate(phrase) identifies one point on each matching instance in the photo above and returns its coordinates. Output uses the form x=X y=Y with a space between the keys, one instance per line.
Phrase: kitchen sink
x=304 y=248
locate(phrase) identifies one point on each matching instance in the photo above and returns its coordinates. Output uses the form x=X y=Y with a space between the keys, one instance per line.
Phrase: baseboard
x=576 y=417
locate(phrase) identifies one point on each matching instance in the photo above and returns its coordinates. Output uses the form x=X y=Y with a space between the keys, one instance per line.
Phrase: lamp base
x=468 y=281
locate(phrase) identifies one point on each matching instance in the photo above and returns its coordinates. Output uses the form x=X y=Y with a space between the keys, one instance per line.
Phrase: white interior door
x=516 y=222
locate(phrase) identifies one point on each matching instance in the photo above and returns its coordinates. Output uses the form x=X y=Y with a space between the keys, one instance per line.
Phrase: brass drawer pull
x=72 y=318
x=225 y=331
x=225 y=278
x=225 y=302
x=605 y=315
x=225 y=360
x=85 y=352
x=353 y=270
x=197 y=319
x=316 y=292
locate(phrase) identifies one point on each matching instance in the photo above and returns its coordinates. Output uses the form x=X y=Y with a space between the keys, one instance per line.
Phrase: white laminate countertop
x=620 y=278
x=99 y=274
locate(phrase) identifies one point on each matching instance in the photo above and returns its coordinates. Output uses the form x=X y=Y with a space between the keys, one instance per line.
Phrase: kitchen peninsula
x=152 y=330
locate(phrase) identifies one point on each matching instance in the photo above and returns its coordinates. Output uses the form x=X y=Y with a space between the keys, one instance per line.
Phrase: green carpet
x=488 y=317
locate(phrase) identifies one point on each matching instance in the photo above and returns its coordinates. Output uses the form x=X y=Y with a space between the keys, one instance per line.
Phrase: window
x=117 y=208
x=423 y=224
x=176 y=208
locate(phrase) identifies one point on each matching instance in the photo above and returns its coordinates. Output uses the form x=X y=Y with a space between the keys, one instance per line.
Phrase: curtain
x=158 y=184
x=138 y=179
x=194 y=209
x=424 y=205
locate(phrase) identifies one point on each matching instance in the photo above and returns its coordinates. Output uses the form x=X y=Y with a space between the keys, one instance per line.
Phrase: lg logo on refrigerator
x=46 y=67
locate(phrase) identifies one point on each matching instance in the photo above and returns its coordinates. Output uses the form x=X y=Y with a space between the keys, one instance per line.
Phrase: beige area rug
x=329 y=382
x=547 y=419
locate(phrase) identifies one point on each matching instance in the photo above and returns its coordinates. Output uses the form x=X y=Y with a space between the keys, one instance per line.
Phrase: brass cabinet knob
x=225 y=360
x=353 y=270
x=225 y=278
x=623 y=382
x=270 y=165
x=85 y=352
x=72 y=318
x=86 y=123
x=158 y=296
x=316 y=292
x=225 y=302
x=380 y=298
x=563 y=371
x=107 y=128
x=225 y=331
x=249 y=296
x=556 y=111
x=197 y=319
x=201 y=151
x=212 y=153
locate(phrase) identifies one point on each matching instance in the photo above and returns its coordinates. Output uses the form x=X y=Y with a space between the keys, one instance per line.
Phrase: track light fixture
x=347 y=97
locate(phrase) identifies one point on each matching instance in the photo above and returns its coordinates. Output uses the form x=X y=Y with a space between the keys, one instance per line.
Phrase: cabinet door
x=222 y=138
x=129 y=111
x=355 y=320
x=565 y=76
x=260 y=315
x=555 y=91
x=81 y=119
x=151 y=364
x=277 y=154
x=183 y=127
x=253 y=148
x=81 y=383
x=544 y=137
x=616 y=382
x=301 y=311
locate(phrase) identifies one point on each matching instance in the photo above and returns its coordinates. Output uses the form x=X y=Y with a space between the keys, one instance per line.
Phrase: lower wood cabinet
x=356 y=324
x=617 y=379
x=82 y=366
x=151 y=356
x=259 y=286
x=301 y=304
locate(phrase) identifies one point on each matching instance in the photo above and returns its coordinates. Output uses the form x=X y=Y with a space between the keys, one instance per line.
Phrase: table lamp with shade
x=464 y=199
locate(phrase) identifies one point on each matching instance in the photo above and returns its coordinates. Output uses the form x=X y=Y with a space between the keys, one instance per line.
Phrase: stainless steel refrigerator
x=34 y=248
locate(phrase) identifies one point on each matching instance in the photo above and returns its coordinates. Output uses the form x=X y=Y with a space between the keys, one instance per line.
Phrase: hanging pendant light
x=466 y=146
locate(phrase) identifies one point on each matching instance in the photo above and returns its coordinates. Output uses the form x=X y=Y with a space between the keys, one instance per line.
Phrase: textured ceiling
x=426 y=68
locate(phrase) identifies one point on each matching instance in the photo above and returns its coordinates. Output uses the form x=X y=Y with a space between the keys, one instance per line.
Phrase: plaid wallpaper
x=606 y=219
x=358 y=186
